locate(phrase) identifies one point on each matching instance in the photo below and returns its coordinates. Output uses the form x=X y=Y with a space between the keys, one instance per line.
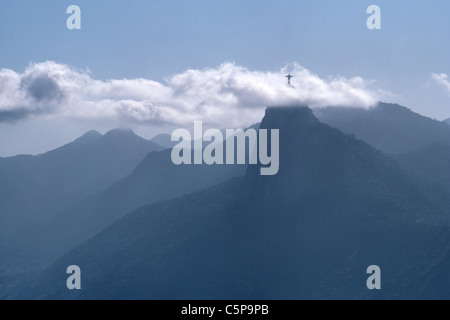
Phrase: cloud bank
x=228 y=95
x=442 y=80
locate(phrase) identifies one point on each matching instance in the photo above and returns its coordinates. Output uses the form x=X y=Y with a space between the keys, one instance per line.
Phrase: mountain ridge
x=337 y=206
x=68 y=174
x=154 y=179
x=391 y=128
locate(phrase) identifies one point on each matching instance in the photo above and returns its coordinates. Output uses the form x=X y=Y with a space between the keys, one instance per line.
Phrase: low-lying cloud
x=228 y=95
x=442 y=80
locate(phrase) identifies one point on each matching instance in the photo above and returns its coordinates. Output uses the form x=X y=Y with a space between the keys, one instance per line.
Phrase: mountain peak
x=120 y=132
x=287 y=116
x=89 y=136
x=121 y=135
x=129 y=138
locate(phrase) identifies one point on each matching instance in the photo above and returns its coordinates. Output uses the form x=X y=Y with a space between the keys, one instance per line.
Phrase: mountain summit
x=89 y=137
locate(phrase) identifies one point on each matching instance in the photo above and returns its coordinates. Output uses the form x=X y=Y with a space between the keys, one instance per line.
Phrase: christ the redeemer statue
x=289 y=76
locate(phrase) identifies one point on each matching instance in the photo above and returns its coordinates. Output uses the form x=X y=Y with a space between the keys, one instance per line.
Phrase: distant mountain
x=388 y=127
x=447 y=121
x=156 y=178
x=164 y=140
x=36 y=187
x=432 y=162
x=336 y=207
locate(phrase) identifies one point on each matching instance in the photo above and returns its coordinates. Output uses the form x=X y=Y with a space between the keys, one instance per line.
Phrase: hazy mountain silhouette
x=36 y=187
x=417 y=143
x=155 y=178
x=388 y=127
x=164 y=140
x=336 y=207
x=432 y=162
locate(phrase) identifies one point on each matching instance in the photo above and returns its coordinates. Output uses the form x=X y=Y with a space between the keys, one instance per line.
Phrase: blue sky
x=157 y=39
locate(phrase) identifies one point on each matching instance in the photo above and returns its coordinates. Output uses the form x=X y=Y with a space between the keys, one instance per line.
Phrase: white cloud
x=228 y=95
x=442 y=80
